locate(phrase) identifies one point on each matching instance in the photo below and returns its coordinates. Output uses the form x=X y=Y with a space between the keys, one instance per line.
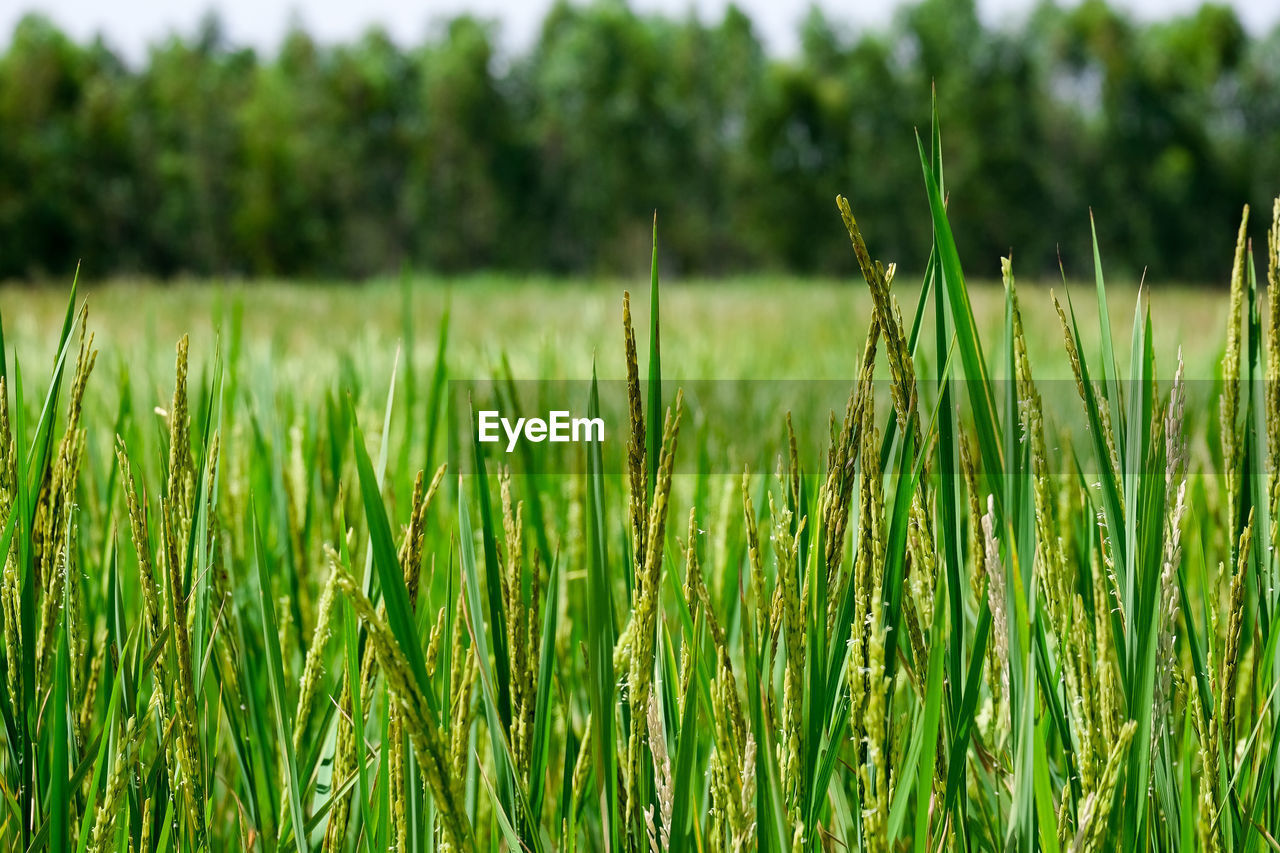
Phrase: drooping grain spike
x=424 y=732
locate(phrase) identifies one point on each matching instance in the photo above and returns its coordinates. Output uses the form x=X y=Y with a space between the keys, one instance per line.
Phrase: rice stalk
x=425 y=733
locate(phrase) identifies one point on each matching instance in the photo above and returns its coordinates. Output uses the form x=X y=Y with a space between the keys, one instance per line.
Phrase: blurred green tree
x=360 y=158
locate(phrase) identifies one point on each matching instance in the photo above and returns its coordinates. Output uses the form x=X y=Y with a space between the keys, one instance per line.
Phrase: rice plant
x=239 y=616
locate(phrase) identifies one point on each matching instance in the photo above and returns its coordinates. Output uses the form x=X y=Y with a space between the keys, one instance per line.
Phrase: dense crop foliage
x=464 y=151
x=241 y=621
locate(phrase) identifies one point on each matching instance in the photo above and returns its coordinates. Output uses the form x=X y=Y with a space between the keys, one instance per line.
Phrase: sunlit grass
x=244 y=608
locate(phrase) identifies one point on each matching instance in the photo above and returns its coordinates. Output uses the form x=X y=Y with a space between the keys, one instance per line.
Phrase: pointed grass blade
x=275 y=680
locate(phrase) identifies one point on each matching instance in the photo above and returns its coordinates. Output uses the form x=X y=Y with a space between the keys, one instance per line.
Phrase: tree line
x=363 y=158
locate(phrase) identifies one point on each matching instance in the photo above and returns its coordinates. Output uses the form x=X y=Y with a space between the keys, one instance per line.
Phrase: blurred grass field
x=745 y=328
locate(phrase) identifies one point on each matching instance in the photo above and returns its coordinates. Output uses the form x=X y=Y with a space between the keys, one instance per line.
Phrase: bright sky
x=129 y=25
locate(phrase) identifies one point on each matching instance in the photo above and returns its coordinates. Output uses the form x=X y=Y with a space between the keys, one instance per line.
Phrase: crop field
x=260 y=594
